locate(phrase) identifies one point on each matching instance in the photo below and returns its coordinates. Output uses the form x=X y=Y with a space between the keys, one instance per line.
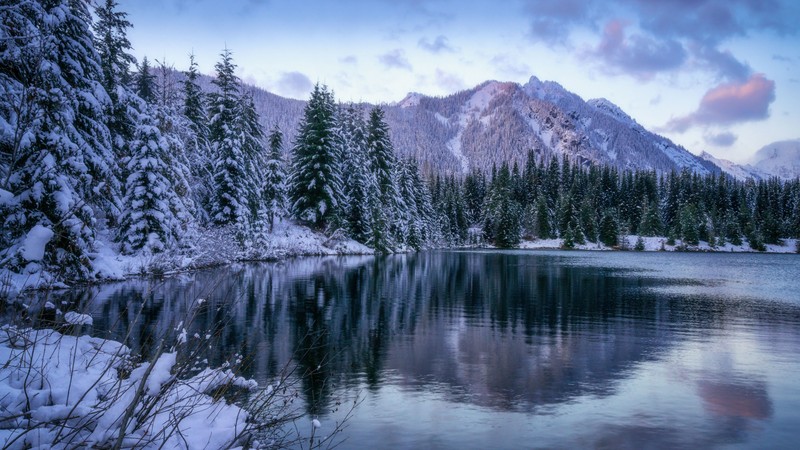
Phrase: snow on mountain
x=735 y=170
x=780 y=159
x=499 y=122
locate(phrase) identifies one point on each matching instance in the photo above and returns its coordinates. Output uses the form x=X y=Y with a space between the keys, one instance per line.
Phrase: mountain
x=496 y=122
x=780 y=159
x=502 y=121
x=740 y=172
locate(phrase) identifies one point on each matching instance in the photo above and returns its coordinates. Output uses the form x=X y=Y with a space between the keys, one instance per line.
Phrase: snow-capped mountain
x=740 y=172
x=780 y=159
x=502 y=121
x=497 y=122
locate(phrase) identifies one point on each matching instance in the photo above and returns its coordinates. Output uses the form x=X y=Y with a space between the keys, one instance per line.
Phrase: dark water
x=502 y=349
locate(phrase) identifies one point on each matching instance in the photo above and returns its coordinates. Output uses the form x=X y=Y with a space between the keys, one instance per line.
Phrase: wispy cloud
x=294 y=84
x=438 y=45
x=636 y=55
x=395 y=59
x=724 y=139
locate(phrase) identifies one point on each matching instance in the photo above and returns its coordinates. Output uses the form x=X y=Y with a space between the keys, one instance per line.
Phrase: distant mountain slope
x=737 y=171
x=501 y=121
x=780 y=159
x=497 y=122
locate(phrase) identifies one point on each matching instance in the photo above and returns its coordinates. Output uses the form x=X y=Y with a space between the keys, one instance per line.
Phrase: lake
x=499 y=349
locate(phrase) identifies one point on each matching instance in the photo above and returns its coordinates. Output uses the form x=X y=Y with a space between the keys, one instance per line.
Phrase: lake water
x=516 y=349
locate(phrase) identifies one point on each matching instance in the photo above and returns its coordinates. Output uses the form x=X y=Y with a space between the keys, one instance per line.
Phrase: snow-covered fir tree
x=229 y=206
x=383 y=163
x=273 y=190
x=361 y=193
x=58 y=162
x=154 y=216
x=116 y=59
x=197 y=148
x=145 y=82
x=251 y=138
x=315 y=187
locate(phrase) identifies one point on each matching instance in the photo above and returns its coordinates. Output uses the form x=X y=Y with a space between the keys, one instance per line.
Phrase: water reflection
x=518 y=333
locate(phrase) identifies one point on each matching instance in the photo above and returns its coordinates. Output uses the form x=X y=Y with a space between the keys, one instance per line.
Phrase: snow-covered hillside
x=735 y=170
x=780 y=159
x=501 y=121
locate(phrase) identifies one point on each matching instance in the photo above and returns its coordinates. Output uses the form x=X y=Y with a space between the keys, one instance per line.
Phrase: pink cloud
x=729 y=103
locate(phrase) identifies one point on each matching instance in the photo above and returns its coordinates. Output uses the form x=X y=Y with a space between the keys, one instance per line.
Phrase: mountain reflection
x=505 y=331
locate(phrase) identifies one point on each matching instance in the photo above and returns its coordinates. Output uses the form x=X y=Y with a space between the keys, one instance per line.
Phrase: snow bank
x=659 y=243
x=37 y=238
x=200 y=248
x=70 y=392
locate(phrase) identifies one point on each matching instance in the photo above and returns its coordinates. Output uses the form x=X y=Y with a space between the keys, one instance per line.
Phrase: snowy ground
x=59 y=391
x=659 y=243
x=201 y=248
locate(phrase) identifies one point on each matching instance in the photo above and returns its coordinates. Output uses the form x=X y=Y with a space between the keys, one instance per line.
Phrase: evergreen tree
x=361 y=192
x=609 y=229
x=502 y=212
x=154 y=217
x=198 y=149
x=116 y=59
x=274 y=186
x=230 y=204
x=146 y=82
x=383 y=164
x=60 y=164
x=315 y=187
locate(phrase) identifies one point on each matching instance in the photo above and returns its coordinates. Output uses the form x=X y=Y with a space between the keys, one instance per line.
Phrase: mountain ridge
x=500 y=121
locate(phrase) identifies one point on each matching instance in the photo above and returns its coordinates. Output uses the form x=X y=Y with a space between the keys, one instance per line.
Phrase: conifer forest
x=95 y=145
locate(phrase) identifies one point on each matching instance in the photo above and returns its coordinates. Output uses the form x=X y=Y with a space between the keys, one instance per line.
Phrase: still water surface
x=503 y=349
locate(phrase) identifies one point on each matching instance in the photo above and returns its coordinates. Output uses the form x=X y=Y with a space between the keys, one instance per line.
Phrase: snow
x=75 y=318
x=733 y=169
x=67 y=391
x=37 y=238
x=780 y=159
x=412 y=99
x=653 y=244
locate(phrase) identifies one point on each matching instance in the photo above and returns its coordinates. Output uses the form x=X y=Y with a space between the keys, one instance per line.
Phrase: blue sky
x=715 y=75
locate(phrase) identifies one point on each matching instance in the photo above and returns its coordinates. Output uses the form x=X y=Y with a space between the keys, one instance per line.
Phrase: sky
x=721 y=76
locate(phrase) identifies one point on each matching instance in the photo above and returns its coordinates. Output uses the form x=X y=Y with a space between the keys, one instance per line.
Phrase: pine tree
x=229 y=205
x=61 y=164
x=251 y=137
x=609 y=229
x=361 y=192
x=154 y=217
x=198 y=149
x=384 y=164
x=274 y=186
x=146 y=82
x=114 y=48
x=315 y=188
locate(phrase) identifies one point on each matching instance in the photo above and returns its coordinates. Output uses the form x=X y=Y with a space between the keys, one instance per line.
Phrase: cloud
x=395 y=59
x=730 y=103
x=511 y=66
x=439 y=45
x=448 y=81
x=722 y=62
x=637 y=55
x=294 y=84
x=724 y=139
x=551 y=21
x=349 y=59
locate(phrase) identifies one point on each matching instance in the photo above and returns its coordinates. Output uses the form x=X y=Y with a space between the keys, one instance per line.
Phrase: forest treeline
x=91 y=149
x=600 y=204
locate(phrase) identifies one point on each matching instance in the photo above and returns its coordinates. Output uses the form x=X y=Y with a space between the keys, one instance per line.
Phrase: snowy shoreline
x=216 y=247
x=654 y=244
